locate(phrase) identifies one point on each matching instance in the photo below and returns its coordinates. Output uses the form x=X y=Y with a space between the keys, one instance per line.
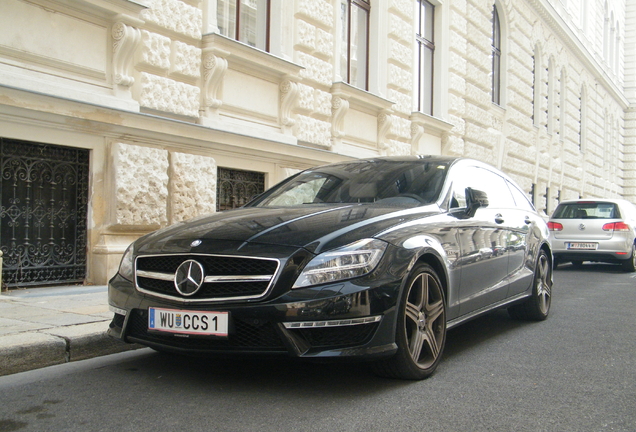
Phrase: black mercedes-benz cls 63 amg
x=368 y=260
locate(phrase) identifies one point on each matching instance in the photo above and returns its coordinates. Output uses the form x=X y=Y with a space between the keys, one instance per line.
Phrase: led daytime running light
x=354 y=260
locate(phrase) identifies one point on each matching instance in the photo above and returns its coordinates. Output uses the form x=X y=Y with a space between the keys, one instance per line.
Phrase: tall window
x=582 y=119
x=354 y=55
x=425 y=18
x=496 y=57
x=550 y=99
x=562 y=96
x=246 y=21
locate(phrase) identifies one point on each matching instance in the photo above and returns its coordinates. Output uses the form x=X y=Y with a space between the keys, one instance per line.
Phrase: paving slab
x=42 y=327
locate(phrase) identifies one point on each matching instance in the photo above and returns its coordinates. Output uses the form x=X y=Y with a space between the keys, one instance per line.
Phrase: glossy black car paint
x=484 y=260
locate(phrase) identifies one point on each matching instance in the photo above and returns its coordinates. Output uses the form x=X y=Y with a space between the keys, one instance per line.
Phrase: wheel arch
x=436 y=262
x=548 y=250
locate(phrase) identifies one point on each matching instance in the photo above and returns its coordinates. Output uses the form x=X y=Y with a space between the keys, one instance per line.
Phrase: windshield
x=390 y=182
x=587 y=210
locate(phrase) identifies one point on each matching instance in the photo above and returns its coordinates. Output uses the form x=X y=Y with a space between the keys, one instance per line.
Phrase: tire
x=537 y=306
x=420 y=330
x=630 y=264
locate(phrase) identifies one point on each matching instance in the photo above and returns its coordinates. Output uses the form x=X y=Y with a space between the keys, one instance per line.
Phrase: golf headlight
x=126 y=265
x=353 y=260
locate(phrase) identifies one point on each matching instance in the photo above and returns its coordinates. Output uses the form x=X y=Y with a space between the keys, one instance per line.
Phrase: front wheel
x=421 y=328
x=537 y=306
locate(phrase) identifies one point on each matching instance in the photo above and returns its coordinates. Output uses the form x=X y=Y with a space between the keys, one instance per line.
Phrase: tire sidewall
x=535 y=289
x=403 y=355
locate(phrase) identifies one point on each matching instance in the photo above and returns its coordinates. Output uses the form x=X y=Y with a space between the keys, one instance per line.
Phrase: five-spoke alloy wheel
x=537 y=306
x=421 y=327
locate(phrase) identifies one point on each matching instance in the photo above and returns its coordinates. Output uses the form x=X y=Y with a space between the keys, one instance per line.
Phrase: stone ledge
x=33 y=350
x=26 y=351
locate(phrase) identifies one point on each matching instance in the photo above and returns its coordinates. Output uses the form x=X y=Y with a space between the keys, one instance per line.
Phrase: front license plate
x=582 y=246
x=201 y=323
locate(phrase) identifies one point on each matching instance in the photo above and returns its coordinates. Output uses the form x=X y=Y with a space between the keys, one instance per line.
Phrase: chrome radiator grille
x=214 y=278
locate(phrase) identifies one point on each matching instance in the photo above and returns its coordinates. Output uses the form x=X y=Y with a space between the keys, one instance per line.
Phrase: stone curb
x=33 y=350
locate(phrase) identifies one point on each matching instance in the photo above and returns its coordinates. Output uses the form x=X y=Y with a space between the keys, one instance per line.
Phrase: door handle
x=499 y=218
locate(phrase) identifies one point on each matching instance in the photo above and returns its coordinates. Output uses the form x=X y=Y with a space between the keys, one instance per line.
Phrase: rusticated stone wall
x=192 y=186
x=167 y=63
x=160 y=99
x=562 y=142
x=156 y=187
x=141 y=185
x=315 y=51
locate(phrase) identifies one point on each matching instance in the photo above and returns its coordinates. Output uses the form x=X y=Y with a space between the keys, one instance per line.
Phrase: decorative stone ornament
x=214 y=68
x=288 y=100
x=126 y=40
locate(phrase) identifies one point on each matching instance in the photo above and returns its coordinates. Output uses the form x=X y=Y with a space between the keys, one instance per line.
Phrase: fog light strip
x=332 y=323
x=117 y=310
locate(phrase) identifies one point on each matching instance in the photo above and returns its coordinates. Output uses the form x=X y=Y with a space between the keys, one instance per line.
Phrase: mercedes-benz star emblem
x=582 y=227
x=189 y=278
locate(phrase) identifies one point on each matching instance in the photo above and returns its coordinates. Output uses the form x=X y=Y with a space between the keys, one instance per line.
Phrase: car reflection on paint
x=371 y=260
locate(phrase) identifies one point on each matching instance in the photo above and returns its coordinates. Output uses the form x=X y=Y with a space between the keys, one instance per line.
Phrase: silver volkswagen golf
x=594 y=230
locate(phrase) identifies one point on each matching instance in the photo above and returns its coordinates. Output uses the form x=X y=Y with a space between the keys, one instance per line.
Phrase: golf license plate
x=202 y=323
x=582 y=246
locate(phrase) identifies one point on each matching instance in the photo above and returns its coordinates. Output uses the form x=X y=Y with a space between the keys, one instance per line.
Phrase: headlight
x=354 y=260
x=126 y=265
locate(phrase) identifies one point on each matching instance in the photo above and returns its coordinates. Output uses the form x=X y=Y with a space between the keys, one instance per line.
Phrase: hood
x=313 y=227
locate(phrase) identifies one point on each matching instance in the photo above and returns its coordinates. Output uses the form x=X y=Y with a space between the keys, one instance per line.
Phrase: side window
x=520 y=198
x=495 y=186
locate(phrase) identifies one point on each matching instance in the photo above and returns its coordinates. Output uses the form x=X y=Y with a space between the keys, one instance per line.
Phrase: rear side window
x=587 y=210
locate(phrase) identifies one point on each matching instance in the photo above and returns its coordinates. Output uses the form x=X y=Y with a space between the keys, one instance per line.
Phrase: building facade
x=118 y=117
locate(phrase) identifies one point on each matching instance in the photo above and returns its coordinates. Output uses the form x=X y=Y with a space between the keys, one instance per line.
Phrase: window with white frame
x=583 y=119
x=354 y=55
x=496 y=56
x=424 y=27
x=246 y=21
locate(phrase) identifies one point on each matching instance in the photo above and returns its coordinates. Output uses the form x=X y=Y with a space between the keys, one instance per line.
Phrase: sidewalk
x=46 y=326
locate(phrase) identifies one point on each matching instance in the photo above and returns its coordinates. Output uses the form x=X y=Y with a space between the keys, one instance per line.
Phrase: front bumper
x=346 y=319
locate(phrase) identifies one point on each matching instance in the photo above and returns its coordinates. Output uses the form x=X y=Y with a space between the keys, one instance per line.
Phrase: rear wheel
x=421 y=328
x=537 y=306
x=630 y=264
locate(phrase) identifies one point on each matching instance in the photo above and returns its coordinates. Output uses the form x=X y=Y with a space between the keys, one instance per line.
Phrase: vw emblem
x=195 y=243
x=189 y=278
x=582 y=227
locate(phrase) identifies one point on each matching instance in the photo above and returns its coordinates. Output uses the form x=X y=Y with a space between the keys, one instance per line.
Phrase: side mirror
x=474 y=200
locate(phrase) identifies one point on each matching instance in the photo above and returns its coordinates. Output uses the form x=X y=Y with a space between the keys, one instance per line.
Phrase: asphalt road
x=574 y=372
